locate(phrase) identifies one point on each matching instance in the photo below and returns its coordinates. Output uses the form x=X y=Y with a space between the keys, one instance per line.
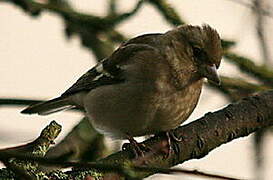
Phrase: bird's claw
x=171 y=136
x=138 y=148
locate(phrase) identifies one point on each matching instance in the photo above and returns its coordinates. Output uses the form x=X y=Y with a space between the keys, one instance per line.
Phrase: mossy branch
x=28 y=169
x=203 y=135
x=198 y=139
x=83 y=144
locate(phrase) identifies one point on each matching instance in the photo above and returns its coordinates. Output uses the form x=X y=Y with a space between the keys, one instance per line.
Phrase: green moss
x=79 y=175
x=57 y=175
x=6 y=174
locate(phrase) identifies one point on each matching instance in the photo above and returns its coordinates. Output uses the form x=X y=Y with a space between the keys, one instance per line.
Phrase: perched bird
x=150 y=84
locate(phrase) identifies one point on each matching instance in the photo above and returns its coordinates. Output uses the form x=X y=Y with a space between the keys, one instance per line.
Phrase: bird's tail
x=48 y=107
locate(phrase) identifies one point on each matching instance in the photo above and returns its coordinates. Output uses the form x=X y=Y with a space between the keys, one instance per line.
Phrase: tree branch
x=25 y=168
x=89 y=27
x=262 y=73
x=260 y=29
x=198 y=139
x=167 y=11
x=203 y=135
x=264 y=12
x=95 y=22
x=236 y=88
x=258 y=7
x=83 y=144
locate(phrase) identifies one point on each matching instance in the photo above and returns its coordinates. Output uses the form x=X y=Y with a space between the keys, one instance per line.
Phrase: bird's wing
x=108 y=71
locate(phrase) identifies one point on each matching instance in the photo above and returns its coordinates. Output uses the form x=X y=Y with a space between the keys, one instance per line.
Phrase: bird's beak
x=210 y=72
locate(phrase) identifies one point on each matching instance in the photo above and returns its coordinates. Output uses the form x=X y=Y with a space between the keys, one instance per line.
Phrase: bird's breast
x=174 y=108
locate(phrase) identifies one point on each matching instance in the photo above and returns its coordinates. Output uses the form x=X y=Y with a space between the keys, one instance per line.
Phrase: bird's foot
x=138 y=148
x=171 y=137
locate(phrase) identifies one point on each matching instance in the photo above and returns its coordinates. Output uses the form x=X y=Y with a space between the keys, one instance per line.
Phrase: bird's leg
x=138 y=148
x=171 y=137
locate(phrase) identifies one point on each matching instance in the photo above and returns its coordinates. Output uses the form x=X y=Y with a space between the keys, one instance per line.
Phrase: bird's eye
x=197 y=52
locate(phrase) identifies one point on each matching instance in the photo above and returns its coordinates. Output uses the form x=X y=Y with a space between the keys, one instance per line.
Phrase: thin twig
x=95 y=22
x=250 y=5
x=235 y=88
x=168 y=12
x=246 y=65
x=258 y=6
x=260 y=29
x=94 y=31
x=112 y=7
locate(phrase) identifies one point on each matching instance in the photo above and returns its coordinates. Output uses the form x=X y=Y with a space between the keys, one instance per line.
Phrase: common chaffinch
x=150 y=84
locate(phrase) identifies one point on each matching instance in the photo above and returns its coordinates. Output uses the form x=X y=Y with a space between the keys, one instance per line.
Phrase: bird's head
x=204 y=48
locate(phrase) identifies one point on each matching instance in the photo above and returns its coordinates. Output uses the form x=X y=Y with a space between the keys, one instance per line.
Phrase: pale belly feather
x=121 y=110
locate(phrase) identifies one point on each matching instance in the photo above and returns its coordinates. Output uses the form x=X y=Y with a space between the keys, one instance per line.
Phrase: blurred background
x=44 y=50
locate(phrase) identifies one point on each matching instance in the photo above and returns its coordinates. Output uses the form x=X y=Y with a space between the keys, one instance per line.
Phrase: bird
x=149 y=84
